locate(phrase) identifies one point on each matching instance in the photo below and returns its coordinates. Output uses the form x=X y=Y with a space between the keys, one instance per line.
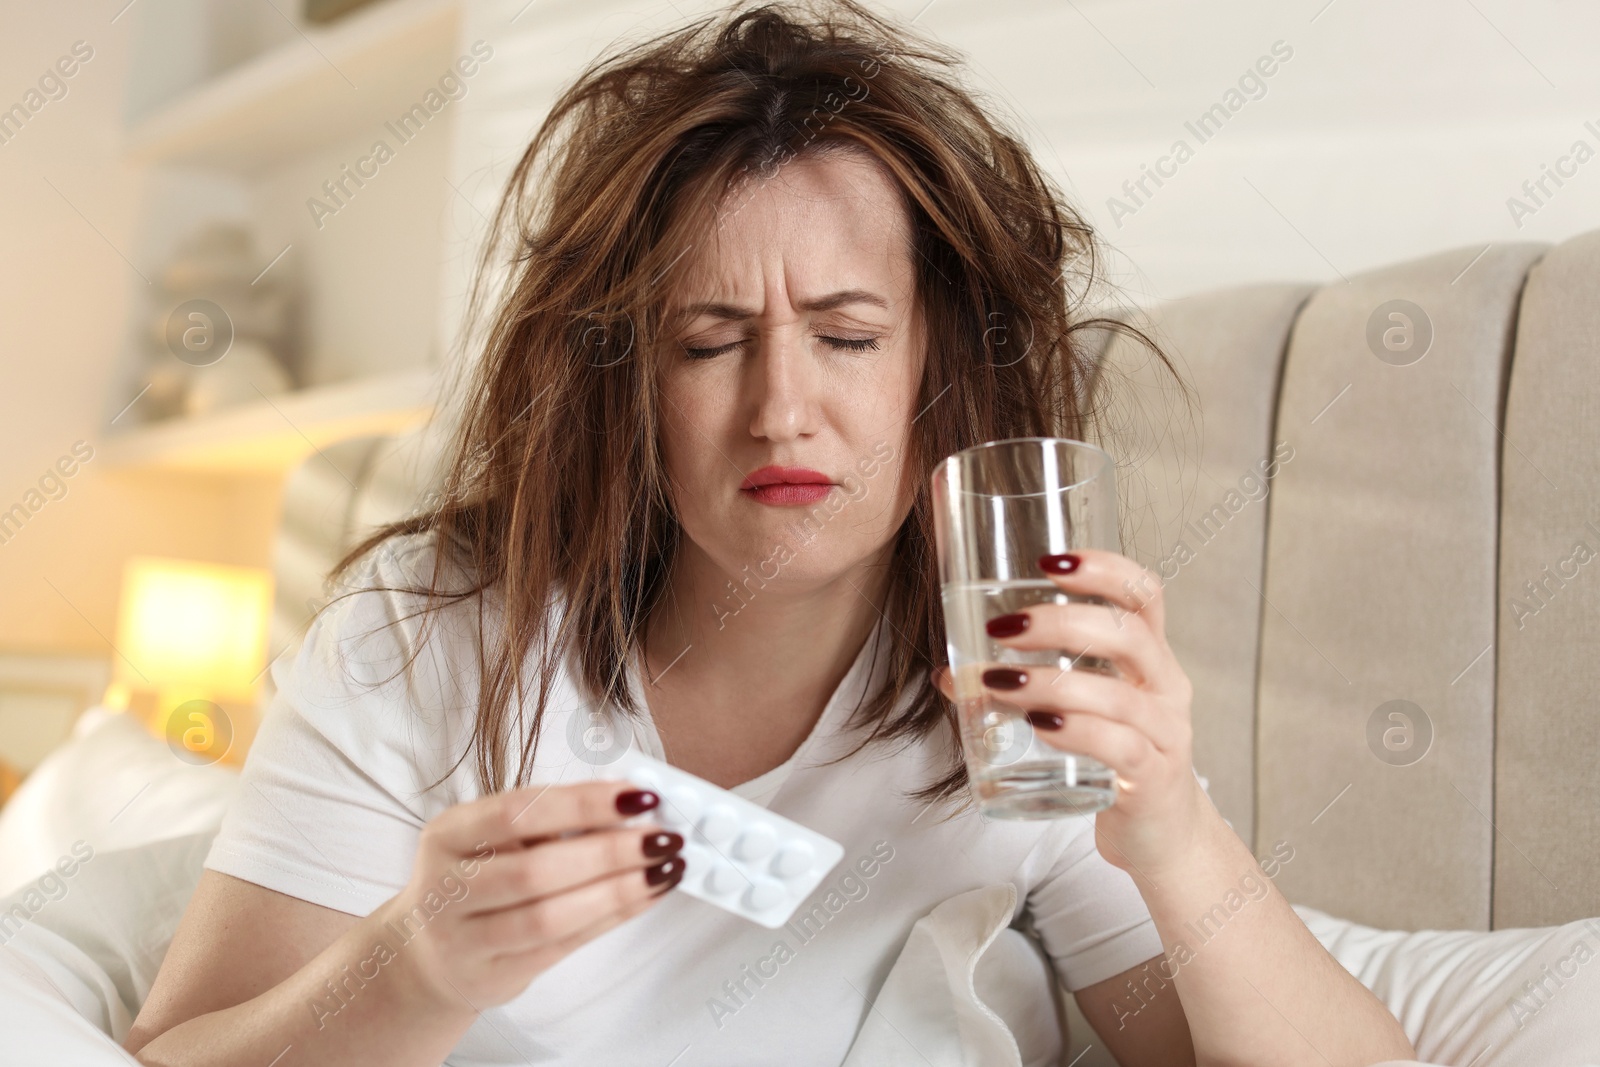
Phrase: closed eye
x=707 y=353
x=844 y=344
x=852 y=344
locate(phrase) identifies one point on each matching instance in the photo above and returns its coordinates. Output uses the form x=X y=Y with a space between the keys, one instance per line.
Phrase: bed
x=1406 y=536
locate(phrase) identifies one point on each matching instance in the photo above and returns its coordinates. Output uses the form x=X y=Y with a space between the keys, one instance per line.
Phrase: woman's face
x=789 y=374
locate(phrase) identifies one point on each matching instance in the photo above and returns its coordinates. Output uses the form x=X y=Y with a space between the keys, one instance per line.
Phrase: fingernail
x=1064 y=563
x=1007 y=625
x=636 y=800
x=1046 y=720
x=666 y=874
x=1004 y=678
x=662 y=844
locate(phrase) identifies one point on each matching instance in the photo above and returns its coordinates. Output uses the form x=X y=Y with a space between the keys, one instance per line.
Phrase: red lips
x=784 y=475
x=786 y=486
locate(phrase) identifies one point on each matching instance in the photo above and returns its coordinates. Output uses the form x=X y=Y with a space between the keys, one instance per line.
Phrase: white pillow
x=112 y=785
x=1507 y=998
x=79 y=953
x=44 y=1011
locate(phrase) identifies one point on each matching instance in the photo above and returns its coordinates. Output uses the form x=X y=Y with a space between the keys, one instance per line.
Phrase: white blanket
x=74 y=974
x=966 y=988
x=1511 y=998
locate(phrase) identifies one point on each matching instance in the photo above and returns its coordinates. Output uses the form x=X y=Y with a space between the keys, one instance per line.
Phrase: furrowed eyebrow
x=829 y=302
x=842 y=298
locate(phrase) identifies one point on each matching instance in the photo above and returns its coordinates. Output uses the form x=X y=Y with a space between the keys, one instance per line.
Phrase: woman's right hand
x=505 y=886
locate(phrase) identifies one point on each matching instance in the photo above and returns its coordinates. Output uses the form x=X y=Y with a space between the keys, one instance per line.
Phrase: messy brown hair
x=556 y=481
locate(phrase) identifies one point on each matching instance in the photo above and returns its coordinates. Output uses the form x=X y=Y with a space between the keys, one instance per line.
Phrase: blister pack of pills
x=740 y=856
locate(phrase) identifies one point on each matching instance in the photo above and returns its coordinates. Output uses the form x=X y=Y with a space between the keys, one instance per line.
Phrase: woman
x=772 y=269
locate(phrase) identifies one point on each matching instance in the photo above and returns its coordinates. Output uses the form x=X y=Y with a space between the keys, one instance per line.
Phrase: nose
x=784 y=384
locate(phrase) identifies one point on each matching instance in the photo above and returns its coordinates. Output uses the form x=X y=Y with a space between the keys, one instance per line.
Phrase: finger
x=548 y=920
x=536 y=811
x=1088 y=693
x=1128 y=752
x=532 y=961
x=1133 y=589
x=600 y=926
x=526 y=874
x=1095 y=631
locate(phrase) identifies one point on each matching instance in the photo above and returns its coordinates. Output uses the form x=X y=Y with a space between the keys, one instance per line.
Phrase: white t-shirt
x=340 y=780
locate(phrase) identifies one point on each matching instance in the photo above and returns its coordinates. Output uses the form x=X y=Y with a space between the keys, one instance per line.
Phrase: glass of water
x=997 y=508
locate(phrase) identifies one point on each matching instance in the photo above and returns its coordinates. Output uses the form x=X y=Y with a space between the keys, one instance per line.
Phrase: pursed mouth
x=796 y=477
x=789 y=493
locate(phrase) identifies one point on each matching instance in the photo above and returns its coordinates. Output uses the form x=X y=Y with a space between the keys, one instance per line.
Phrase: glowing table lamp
x=196 y=635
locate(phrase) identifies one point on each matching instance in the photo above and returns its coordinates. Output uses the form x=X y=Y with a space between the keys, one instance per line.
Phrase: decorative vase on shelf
x=219 y=329
x=249 y=373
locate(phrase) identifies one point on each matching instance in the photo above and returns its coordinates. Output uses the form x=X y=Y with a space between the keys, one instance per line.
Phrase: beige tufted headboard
x=331 y=501
x=1420 y=485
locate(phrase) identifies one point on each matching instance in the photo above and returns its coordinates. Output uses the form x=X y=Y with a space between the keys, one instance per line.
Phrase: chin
x=790 y=565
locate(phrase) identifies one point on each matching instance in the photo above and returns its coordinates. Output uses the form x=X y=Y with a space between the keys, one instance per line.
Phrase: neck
x=783 y=645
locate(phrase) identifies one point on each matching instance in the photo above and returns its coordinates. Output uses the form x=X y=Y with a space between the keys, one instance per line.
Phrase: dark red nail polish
x=1004 y=678
x=666 y=874
x=1007 y=625
x=636 y=800
x=1046 y=720
x=1065 y=563
x=662 y=844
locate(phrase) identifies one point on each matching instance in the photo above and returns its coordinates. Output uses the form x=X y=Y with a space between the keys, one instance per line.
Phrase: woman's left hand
x=1137 y=724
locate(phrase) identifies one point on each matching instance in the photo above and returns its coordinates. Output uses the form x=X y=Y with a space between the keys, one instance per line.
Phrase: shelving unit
x=262 y=133
x=307 y=92
x=271 y=436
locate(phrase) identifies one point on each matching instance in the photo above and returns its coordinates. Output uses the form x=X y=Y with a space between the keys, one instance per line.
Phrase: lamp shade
x=193 y=627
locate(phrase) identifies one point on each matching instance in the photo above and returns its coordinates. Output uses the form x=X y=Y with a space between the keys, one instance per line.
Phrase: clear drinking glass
x=997 y=508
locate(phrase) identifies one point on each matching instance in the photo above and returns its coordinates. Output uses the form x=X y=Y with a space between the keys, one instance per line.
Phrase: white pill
x=793 y=861
x=719 y=824
x=722 y=879
x=764 y=893
x=646 y=780
x=682 y=806
x=756 y=843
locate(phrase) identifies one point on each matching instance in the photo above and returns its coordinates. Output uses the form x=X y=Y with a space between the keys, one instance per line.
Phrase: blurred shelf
x=271 y=436
x=308 y=92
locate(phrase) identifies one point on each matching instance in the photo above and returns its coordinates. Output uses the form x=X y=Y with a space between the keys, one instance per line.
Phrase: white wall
x=1394 y=130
